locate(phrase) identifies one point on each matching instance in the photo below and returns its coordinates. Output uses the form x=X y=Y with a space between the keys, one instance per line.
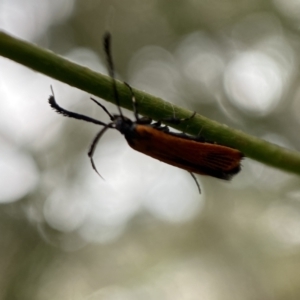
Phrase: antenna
x=111 y=69
x=71 y=114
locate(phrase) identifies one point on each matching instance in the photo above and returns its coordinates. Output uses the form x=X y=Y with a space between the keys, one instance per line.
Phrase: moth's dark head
x=123 y=124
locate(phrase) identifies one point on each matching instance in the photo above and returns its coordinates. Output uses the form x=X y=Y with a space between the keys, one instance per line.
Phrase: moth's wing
x=191 y=155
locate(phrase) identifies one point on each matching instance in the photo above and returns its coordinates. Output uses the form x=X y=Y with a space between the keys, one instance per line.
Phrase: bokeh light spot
x=253 y=82
x=18 y=173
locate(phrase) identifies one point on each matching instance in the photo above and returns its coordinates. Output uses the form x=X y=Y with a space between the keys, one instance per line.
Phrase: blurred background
x=144 y=232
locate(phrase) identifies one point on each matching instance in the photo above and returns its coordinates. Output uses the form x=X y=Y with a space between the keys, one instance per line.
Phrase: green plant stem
x=48 y=63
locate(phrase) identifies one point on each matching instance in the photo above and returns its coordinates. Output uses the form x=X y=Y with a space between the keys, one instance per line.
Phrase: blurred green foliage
x=243 y=244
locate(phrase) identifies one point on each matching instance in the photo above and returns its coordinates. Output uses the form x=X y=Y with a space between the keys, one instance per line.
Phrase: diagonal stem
x=52 y=65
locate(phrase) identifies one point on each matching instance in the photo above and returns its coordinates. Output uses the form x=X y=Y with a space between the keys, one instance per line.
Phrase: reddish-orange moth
x=177 y=149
